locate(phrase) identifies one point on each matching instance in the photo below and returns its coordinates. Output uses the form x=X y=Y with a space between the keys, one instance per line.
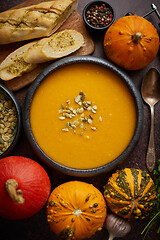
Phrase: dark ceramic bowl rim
x=91 y=26
x=17 y=134
x=26 y=112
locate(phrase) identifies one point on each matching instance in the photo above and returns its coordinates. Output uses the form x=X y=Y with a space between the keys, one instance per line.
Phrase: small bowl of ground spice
x=10 y=121
x=98 y=15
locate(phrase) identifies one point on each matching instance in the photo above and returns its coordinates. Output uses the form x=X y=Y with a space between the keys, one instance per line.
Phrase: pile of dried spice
x=99 y=15
x=8 y=122
x=81 y=117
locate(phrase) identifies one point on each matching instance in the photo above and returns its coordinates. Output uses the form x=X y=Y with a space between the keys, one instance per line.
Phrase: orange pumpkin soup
x=83 y=116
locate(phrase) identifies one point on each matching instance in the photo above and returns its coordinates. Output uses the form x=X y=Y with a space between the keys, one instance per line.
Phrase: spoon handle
x=150 y=158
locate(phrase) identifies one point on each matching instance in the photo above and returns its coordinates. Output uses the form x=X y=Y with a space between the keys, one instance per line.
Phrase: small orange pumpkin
x=132 y=42
x=76 y=210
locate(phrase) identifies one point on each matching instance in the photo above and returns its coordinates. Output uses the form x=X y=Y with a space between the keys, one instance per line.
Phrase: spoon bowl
x=151 y=95
x=151 y=87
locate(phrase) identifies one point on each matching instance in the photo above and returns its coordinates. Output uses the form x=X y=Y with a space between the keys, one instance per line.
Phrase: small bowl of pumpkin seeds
x=10 y=121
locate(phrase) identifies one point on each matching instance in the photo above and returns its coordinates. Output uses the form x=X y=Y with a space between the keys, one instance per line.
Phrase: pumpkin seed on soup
x=80 y=113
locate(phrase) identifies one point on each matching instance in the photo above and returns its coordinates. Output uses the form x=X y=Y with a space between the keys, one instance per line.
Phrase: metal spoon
x=151 y=95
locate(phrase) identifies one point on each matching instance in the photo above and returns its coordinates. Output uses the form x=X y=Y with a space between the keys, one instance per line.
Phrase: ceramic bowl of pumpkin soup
x=83 y=116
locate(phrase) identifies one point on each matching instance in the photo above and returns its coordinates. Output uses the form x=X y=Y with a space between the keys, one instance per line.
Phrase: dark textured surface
x=36 y=227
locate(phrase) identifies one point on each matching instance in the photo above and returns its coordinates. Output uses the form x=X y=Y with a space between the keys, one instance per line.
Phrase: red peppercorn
x=99 y=15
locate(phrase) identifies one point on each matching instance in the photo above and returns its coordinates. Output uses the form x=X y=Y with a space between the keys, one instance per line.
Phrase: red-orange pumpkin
x=24 y=187
x=76 y=210
x=132 y=42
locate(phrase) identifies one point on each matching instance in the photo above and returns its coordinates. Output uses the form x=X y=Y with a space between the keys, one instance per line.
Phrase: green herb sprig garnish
x=155 y=216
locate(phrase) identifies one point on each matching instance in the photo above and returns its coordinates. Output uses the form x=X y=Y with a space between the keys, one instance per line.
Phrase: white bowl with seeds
x=10 y=121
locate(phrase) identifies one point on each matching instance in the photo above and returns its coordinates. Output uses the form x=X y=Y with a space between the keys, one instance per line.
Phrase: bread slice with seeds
x=58 y=45
x=14 y=64
x=26 y=58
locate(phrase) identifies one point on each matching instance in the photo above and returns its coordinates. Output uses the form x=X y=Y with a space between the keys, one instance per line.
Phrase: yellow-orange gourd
x=132 y=42
x=76 y=210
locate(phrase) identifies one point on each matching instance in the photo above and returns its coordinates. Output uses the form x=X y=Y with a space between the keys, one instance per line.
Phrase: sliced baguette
x=35 y=21
x=14 y=64
x=26 y=58
x=58 y=45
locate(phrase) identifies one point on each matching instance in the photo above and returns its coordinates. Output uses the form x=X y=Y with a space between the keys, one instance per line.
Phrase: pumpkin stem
x=136 y=38
x=111 y=236
x=11 y=187
x=77 y=212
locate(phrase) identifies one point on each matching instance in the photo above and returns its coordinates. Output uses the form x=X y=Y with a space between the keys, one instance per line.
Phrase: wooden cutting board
x=75 y=22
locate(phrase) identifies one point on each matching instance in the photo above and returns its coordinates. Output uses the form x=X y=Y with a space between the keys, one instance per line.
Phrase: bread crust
x=35 y=21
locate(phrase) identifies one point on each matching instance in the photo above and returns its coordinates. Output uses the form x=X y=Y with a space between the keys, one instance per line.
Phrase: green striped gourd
x=130 y=193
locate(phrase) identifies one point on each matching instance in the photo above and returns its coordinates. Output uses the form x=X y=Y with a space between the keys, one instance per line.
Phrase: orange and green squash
x=130 y=193
x=132 y=42
x=76 y=210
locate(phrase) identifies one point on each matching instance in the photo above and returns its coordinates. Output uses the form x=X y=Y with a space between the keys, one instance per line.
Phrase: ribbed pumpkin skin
x=120 y=48
x=73 y=198
x=130 y=193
